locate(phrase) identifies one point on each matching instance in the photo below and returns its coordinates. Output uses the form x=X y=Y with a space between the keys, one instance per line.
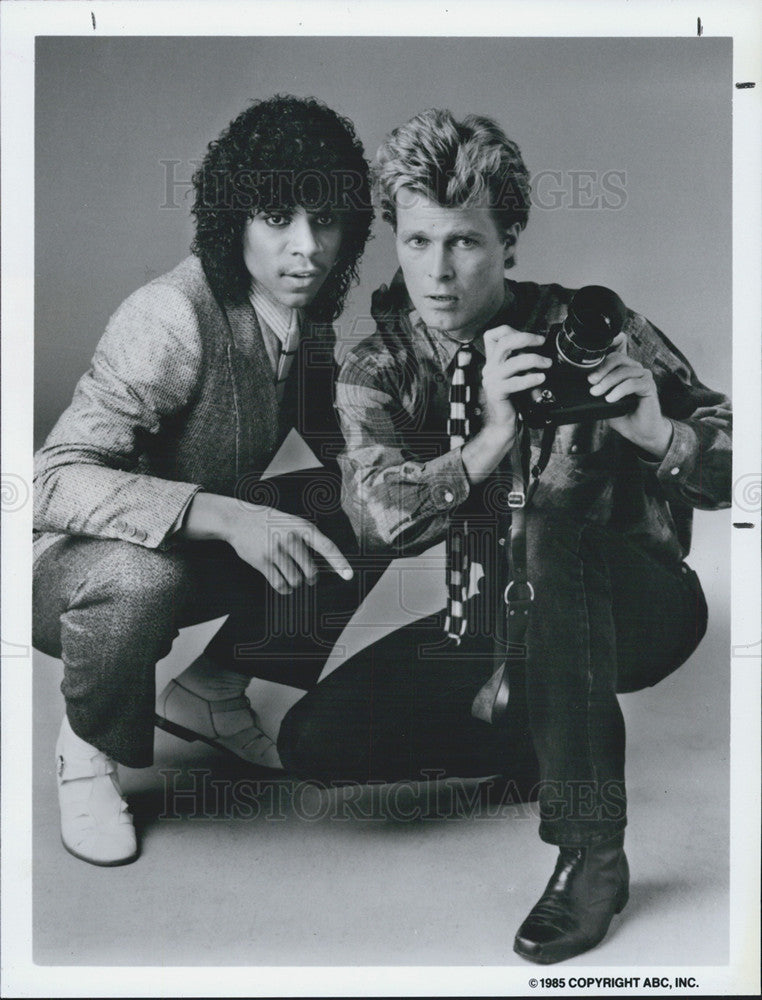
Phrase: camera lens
x=596 y=316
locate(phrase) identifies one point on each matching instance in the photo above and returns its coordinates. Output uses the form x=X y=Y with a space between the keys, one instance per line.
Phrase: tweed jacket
x=179 y=397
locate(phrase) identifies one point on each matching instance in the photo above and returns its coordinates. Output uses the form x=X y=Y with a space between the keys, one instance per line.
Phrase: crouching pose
x=150 y=510
x=615 y=607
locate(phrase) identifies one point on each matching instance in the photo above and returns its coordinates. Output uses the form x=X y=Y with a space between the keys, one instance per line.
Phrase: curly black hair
x=281 y=153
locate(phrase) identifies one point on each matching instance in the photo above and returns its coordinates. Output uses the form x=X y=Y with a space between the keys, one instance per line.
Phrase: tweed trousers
x=111 y=609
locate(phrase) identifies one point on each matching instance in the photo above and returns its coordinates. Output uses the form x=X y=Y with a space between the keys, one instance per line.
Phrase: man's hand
x=505 y=372
x=281 y=546
x=618 y=376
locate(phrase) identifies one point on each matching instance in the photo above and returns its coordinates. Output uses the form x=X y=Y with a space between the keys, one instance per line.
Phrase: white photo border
x=21 y=23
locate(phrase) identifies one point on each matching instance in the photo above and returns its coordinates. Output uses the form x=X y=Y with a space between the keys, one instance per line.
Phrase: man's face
x=291 y=252
x=453 y=261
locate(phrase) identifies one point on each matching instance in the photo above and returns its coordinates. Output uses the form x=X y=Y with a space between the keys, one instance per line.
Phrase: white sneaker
x=96 y=825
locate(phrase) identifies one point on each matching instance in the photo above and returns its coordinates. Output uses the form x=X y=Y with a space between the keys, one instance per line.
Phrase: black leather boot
x=589 y=885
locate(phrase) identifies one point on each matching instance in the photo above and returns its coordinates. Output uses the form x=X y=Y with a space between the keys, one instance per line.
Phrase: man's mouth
x=443 y=299
x=303 y=274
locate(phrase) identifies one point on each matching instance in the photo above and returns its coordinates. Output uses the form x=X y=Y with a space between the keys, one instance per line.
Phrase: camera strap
x=491 y=702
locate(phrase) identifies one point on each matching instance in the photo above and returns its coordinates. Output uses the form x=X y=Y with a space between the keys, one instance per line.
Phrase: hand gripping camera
x=577 y=346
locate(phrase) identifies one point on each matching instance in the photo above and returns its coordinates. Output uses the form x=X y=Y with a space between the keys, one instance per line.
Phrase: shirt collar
x=280 y=318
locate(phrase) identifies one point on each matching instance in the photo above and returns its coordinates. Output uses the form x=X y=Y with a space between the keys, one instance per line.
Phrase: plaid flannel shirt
x=401 y=480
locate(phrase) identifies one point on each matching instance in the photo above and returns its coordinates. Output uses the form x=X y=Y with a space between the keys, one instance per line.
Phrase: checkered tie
x=458 y=555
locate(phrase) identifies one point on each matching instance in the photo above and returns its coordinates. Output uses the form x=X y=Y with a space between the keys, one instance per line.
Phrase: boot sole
x=190 y=737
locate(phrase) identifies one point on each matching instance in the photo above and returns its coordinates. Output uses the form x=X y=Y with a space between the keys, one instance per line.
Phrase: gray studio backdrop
x=628 y=141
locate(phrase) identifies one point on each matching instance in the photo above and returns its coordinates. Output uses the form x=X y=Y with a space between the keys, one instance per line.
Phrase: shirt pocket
x=580 y=449
x=579 y=473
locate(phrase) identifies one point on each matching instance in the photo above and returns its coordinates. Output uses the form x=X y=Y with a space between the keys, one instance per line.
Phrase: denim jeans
x=607 y=617
x=111 y=609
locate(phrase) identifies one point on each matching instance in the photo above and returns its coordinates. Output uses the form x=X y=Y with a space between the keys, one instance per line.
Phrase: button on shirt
x=402 y=481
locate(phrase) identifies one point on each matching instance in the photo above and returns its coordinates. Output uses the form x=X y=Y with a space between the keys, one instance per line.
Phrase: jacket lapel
x=256 y=401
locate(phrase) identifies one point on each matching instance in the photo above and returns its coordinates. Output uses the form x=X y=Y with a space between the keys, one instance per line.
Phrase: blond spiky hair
x=464 y=164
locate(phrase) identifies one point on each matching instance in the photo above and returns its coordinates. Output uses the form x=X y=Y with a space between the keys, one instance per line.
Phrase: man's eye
x=277 y=220
x=325 y=219
x=416 y=241
x=466 y=241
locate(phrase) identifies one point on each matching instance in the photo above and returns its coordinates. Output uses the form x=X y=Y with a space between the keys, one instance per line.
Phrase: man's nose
x=440 y=263
x=303 y=240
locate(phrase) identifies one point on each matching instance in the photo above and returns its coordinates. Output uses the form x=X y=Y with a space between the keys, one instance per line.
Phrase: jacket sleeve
x=696 y=470
x=87 y=478
x=394 y=497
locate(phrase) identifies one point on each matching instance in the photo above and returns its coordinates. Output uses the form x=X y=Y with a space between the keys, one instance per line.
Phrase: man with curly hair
x=150 y=509
x=607 y=528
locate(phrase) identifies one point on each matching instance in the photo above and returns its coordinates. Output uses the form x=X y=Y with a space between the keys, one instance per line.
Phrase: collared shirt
x=402 y=481
x=280 y=327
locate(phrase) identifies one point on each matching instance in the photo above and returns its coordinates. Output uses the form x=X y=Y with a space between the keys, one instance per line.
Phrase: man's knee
x=554 y=543
x=136 y=576
x=113 y=586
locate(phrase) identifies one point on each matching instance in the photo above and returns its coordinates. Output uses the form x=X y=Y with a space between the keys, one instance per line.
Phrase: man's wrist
x=497 y=439
x=484 y=452
x=657 y=446
x=207 y=518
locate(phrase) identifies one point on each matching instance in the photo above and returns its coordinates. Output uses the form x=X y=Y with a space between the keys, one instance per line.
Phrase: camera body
x=577 y=347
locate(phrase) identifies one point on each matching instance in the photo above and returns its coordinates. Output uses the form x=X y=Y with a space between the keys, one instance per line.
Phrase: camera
x=577 y=347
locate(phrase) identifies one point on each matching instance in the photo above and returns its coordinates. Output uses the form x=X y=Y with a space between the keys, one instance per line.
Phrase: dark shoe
x=589 y=885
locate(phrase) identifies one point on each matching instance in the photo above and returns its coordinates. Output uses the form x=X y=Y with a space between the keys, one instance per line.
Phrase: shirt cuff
x=447 y=482
x=678 y=464
x=180 y=519
x=155 y=527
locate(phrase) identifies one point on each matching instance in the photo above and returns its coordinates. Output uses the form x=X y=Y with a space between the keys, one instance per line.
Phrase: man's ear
x=509 y=244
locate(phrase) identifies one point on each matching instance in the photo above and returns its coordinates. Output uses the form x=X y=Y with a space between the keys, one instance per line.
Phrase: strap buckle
x=516 y=499
x=518 y=583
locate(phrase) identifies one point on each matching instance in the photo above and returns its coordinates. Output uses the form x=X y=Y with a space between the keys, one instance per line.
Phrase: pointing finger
x=330 y=552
